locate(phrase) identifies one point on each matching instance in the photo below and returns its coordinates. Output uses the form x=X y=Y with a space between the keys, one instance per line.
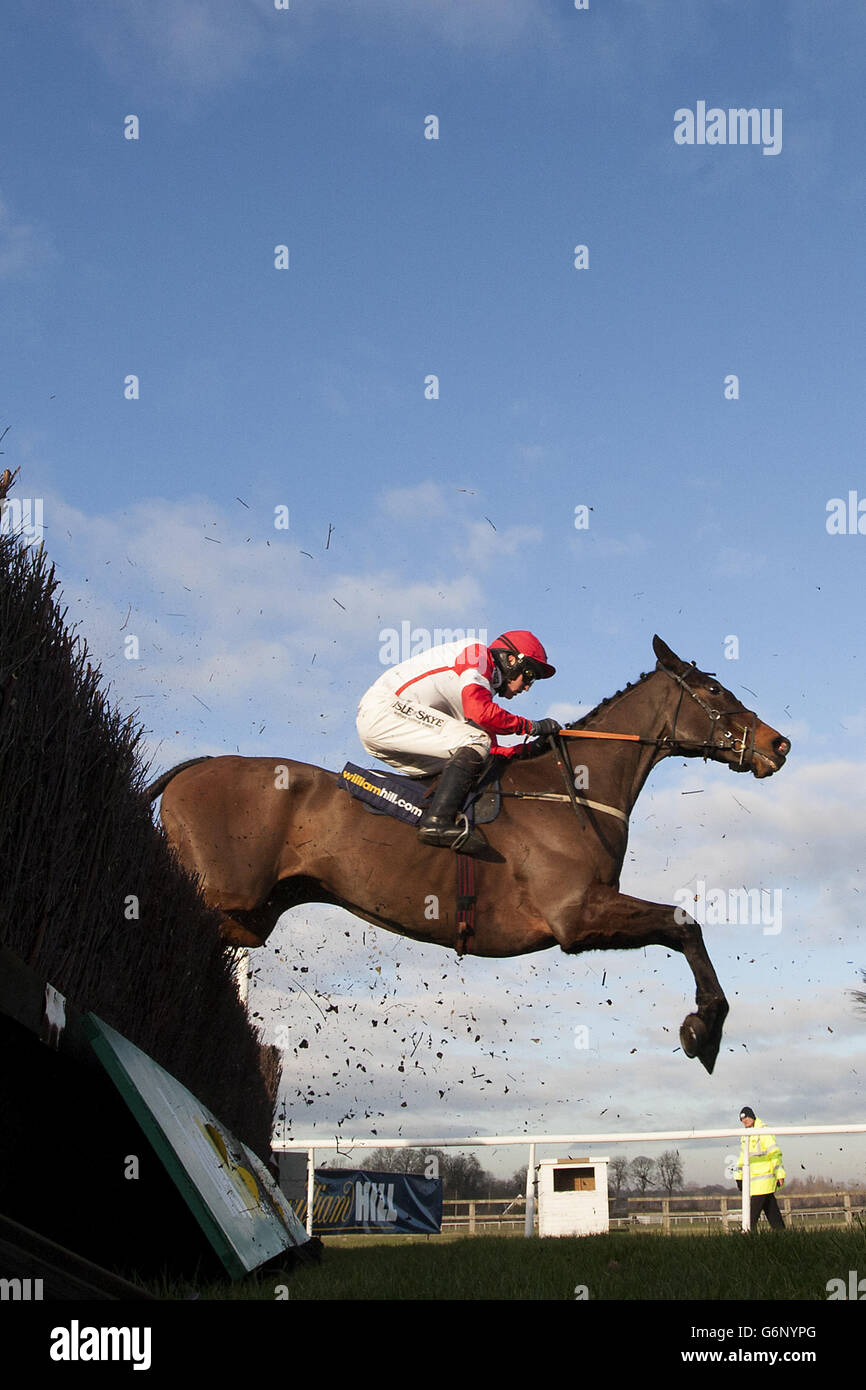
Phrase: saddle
x=406 y=798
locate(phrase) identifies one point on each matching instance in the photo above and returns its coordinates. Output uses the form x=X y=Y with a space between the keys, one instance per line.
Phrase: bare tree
x=461 y=1174
x=393 y=1160
x=860 y=994
x=617 y=1175
x=506 y=1188
x=669 y=1168
x=517 y=1181
x=643 y=1171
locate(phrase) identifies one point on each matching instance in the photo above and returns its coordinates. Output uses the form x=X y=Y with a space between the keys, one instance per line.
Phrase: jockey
x=435 y=712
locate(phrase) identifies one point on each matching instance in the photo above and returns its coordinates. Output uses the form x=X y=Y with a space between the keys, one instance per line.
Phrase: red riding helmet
x=531 y=656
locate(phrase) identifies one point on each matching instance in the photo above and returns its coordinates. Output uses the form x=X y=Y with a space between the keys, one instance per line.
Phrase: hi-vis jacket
x=766 y=1169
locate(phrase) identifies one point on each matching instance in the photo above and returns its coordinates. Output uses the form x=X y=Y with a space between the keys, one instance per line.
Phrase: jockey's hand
x=533 y=749
x=543 y=728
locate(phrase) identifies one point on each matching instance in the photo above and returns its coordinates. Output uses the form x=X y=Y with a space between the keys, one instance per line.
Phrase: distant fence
x=798 y=1209
x=498 y=1215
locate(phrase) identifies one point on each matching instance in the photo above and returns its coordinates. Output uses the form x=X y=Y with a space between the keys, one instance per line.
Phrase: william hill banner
x=347 y=1200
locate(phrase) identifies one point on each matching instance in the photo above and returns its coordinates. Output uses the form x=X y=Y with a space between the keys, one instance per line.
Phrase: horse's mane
x=602 y=704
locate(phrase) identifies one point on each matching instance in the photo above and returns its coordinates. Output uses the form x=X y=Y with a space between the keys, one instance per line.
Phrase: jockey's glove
x=543 y=728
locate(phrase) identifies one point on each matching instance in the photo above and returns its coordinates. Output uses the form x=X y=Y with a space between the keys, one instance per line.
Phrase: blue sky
x=605 y=386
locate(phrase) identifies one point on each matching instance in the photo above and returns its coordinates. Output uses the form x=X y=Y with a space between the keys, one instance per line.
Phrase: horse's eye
x=715 y=689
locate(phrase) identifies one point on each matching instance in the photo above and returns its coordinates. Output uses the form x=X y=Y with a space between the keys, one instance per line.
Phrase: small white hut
x=572 y=1196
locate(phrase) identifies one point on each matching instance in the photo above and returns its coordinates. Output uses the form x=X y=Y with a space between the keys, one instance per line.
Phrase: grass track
x=789 y=1265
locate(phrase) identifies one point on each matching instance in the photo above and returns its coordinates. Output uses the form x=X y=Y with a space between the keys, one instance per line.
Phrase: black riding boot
x=437 y=825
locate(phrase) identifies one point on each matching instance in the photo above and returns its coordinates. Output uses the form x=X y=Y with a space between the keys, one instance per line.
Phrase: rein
x=672 y=743
x=727 y=740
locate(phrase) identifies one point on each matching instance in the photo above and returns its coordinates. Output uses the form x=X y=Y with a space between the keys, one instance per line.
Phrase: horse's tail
x=158 y=787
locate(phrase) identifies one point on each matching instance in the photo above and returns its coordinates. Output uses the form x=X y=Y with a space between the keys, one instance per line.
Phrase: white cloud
x=233 y=617
x=801 y=831
x=189 y=43
x=565 y=712
x=203 y=44
x=419 y=503
x=483 y=543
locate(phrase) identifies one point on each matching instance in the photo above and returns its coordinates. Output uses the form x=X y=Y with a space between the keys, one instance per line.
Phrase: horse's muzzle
x=765 y=763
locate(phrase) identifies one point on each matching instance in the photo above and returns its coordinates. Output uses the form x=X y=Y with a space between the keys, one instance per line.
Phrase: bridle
x=727 y=743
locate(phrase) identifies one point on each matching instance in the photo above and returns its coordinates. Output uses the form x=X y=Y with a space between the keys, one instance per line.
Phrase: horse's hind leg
x=609 y=920
x=238 y=934
x=250 y=927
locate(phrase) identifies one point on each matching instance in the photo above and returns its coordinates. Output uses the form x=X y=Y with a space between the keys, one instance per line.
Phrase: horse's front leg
x=608 y=920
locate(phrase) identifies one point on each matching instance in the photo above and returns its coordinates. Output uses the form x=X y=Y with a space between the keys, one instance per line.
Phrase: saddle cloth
x=407 y=798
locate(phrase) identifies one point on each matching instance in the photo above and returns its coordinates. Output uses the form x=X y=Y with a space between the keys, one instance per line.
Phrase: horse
x=263 y=835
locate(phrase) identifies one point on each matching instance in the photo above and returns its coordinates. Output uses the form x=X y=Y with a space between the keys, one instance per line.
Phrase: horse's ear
x=665 y=656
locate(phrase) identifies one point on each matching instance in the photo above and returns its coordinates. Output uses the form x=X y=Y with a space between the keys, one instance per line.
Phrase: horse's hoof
x=693 y=1036
x=707 y=1056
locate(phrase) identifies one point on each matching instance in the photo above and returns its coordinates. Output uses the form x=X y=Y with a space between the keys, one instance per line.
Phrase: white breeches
x=415 y=739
